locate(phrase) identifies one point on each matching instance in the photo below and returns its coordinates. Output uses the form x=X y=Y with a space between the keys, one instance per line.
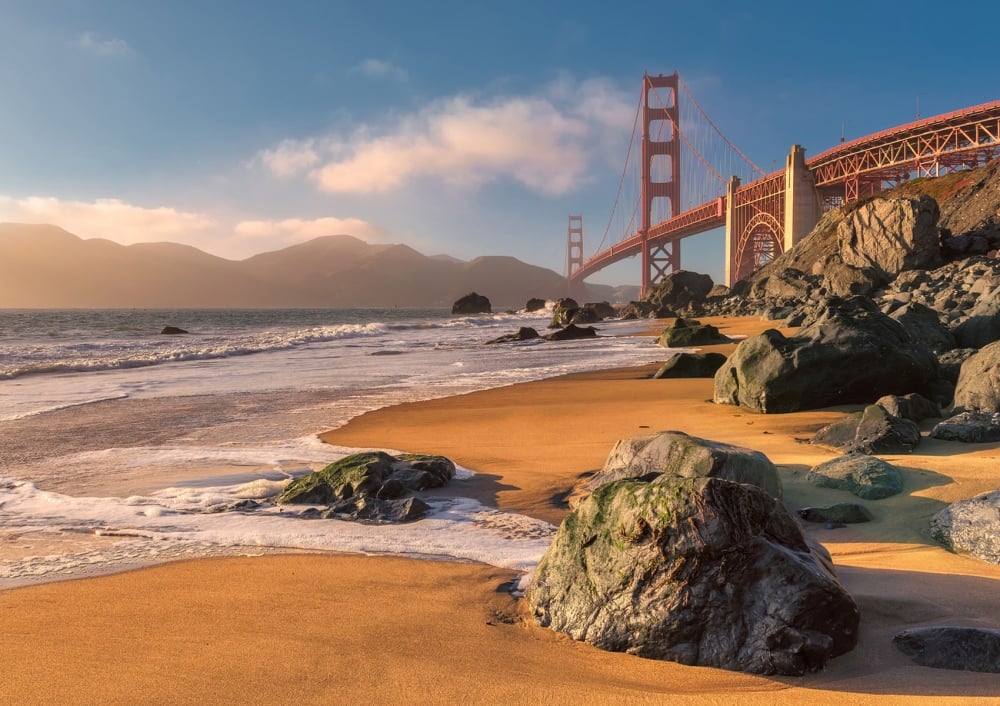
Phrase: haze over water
x=120 y=446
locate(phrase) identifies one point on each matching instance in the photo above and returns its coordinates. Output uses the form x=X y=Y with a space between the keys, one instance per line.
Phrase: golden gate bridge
x=682 y=176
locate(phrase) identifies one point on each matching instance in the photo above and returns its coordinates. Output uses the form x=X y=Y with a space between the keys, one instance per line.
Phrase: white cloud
x=108 y=218
x=295 y=230
x=103 y=47
x=289 y=158
x=546 y=142
x=377 y=68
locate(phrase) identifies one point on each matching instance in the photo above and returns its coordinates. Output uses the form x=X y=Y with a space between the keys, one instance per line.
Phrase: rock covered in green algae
x=701 y=571
x=372 y=486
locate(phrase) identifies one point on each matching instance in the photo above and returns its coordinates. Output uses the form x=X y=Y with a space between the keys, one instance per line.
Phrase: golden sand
x=347 y=629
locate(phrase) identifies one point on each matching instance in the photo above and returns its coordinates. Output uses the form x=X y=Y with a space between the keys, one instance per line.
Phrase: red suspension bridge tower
x=659 y=179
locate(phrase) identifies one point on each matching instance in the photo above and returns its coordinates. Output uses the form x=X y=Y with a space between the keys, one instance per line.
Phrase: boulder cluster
x=681 y=548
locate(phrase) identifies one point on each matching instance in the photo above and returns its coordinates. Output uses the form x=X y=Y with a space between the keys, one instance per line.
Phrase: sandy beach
x=352 y=629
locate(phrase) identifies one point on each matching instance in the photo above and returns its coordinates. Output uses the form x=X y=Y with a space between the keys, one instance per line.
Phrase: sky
x=463 y=128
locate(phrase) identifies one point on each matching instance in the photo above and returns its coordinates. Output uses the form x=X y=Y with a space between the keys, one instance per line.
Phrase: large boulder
x=701 y=571
x=978 y=387
x=913 y=406
x=676 y=454
x=851 y=352
x=372 y=486
x=971 y=527
x=563 y=311
x=679 y=290
x=891 y=235
x=947 y=647
x=534 y=304
x=873 y=430
x=472 y=303
x=867 y=477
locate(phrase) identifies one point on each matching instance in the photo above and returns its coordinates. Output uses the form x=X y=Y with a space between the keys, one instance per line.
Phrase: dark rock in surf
x=472 y=303
x=525 y=333
x=172 y=331
x=534 y=304
x=371 y=486
x=572 y=332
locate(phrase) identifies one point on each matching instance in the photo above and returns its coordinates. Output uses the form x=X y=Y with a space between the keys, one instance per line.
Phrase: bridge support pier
x=731 y=235
x=802 y=204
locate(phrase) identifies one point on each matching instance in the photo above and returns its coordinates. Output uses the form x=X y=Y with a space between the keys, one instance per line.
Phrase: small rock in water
x=172 y=331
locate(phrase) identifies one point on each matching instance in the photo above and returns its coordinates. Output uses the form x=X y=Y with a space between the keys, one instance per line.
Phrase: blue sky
x=463 y=128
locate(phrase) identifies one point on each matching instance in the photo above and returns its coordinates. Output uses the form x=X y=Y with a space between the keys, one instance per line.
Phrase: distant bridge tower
x=574 y=241
x=657 y=260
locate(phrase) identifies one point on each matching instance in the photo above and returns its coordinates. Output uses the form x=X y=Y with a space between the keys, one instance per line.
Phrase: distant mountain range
x=45 y=266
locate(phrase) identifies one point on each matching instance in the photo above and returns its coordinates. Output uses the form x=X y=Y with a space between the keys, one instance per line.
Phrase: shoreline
x=301 y=626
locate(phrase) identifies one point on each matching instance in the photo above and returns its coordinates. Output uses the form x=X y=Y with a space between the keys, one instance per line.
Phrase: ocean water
x=122 y=447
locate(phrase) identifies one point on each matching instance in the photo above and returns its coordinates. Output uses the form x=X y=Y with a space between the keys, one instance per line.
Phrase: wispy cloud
x=103 y=47
x=295 y=230
x=108 y=218
x=546 y=142
x=377 y=68
x=289 y=158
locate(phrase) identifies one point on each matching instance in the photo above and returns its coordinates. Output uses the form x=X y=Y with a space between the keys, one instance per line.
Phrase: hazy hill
x=45 y=266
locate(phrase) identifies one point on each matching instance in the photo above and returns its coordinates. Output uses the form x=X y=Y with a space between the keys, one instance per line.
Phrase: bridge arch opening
x=760 y=243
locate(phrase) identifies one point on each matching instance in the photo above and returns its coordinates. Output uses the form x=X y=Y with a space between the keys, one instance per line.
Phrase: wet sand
x=347 y=629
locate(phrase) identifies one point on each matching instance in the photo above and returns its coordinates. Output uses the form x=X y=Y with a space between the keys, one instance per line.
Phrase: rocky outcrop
x=472 y=303
x=867 y=477
x=945 y=647
x=969 y=427
x=982 y=326
x=701 y=571
x=891 y=235
x=690 y=365
x=849 y=353
x=371 y=486
x=685 y=333
x=978 y=386
x=674 y=453
x=873 y=430
x=971 y=527
x=679 y=290
x=534 y=304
